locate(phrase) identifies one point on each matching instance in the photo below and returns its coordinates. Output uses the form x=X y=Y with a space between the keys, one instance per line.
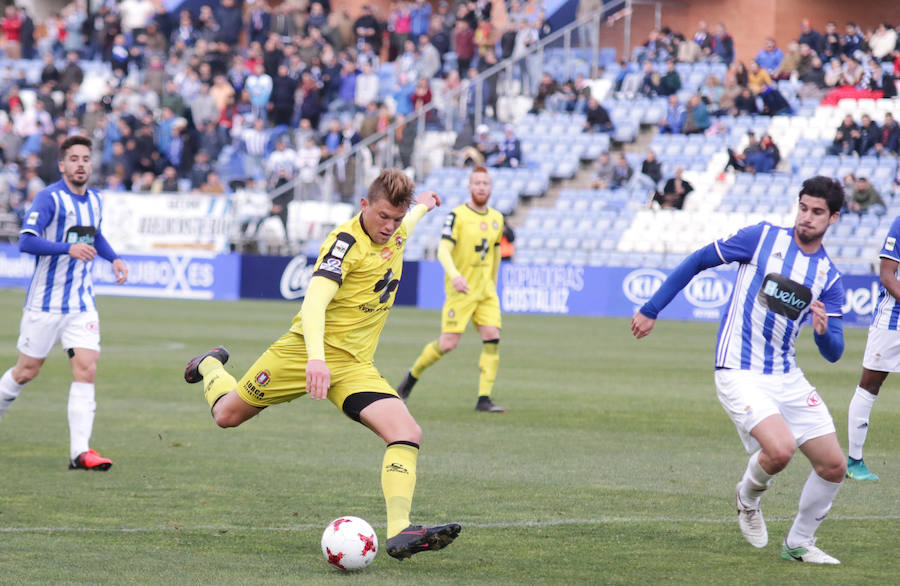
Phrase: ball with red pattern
x=349 y=543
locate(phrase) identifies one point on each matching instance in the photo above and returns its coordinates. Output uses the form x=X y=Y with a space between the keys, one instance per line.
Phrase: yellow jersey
x=476 y=241
x=367 y=275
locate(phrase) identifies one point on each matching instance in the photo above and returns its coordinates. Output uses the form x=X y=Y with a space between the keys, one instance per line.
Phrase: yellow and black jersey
x=476 y=240
x=368 y=275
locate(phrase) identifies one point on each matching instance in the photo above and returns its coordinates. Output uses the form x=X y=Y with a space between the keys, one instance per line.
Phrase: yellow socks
x=216 y=380
x=488 y=363
x=431 y=353
x=398 y=481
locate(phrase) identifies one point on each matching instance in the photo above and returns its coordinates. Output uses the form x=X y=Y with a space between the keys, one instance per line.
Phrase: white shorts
x=882 y=350
x=39 y=331
x=749 y=397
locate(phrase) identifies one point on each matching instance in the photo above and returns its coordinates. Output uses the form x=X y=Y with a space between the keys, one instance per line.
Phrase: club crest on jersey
x=484 y=226
x=813 y=399
x=263 y=378
x=386 y=253
x=92 y=326
x=398 y=240
x=496 y=225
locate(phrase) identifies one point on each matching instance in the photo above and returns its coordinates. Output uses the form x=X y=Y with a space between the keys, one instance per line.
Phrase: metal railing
x=586 y=31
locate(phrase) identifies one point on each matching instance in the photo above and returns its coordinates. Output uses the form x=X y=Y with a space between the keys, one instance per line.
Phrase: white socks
x=81 y=417
x=858 y=421
x=755 y=481
x=815 y=502
x=9 y=390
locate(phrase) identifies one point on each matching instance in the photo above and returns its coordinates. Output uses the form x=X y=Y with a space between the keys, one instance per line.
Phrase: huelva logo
x=788 y=297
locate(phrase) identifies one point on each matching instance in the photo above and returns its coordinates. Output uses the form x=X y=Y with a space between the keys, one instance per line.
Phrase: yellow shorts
x=279 y=375
x=482 y=308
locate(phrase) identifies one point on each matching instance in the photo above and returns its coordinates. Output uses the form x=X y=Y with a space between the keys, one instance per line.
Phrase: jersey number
x=482 y=248
x=387 y=285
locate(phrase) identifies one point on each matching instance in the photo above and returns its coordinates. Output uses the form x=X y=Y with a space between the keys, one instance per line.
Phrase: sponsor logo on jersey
x=484 y=226
x=32 y=218
x=784 y=296
x=340 y=249
x=332 y=265
x=640 y=285
x=386 y=253
x=890 y=243
x=708 y=291
x=263 y=377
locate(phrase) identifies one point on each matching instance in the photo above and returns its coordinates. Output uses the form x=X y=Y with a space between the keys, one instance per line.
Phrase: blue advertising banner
x=619 y=292
x=176 y=276
x=285 y=277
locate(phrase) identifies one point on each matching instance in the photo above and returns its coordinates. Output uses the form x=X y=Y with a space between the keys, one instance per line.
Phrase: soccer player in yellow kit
x=329 y=349
x=470 y=254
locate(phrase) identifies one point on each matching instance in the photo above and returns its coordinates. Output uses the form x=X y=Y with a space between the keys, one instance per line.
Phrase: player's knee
x=832 y=470
x=447 y=345
x=85 y=372
x=780 y=456
x=414 y=433
x=225 y=417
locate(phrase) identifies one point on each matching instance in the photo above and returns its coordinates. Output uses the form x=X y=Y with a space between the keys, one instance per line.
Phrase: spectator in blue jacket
x=770 y=57
x=674 y=117
x=722 y=44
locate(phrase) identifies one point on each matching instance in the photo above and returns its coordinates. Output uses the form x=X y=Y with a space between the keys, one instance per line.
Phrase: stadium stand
x=315 y=82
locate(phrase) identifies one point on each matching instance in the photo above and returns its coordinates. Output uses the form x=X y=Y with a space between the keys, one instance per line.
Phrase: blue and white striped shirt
x=775 y=285
x=887 y=312
x=62 y=284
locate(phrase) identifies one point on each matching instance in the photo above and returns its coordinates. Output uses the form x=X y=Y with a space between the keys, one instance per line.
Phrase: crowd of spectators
x=235 y=94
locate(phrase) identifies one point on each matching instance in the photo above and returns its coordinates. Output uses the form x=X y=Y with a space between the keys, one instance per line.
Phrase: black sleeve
x=331 y=265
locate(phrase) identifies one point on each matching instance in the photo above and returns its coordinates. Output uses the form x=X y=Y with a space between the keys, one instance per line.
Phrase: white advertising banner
x=148 y=223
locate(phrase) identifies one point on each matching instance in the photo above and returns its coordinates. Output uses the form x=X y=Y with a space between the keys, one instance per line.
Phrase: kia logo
x=708 y=291
x=640 y=285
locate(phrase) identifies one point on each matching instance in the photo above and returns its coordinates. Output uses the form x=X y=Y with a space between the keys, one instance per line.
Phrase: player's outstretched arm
x=701 y=259
x=426 y=202
x=429 y=199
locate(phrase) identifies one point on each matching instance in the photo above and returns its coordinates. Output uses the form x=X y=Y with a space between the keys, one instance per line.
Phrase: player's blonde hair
x=395 y=186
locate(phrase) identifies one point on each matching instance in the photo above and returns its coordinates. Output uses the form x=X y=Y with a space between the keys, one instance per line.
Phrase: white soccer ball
x=349 y=543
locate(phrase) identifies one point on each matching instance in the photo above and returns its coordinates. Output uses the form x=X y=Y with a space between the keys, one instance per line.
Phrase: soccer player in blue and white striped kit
x=882 y=355
x=785 y=275
x=62 y=231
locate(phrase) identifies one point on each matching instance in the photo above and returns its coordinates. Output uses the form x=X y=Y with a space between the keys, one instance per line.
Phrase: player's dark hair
x=393 y=185
x=74 y=140
x=826 y=188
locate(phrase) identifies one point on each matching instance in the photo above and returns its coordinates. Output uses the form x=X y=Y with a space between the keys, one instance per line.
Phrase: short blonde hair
x=393 y=185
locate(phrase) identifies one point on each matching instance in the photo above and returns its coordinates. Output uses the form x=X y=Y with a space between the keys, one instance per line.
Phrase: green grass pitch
x=614 y=465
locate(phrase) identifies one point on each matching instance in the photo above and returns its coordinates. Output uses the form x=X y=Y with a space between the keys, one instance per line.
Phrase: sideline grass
x=615 y=464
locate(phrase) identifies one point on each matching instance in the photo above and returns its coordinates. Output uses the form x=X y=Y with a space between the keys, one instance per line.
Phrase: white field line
x=500 y=525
